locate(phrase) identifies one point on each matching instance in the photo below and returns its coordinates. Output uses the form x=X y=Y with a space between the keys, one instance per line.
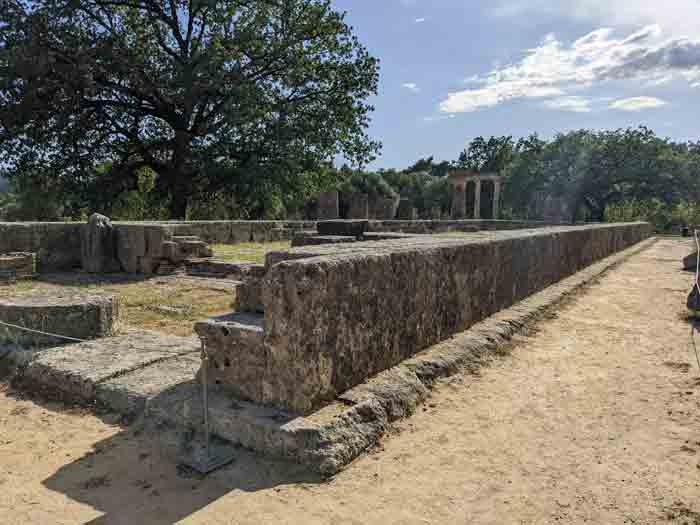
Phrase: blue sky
x=455 y=69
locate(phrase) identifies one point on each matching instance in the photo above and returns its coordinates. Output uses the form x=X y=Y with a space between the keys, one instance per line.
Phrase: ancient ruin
x=323 y=335
x=470 y=191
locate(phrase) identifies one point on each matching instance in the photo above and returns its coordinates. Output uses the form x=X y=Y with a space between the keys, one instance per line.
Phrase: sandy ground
x=594 y=418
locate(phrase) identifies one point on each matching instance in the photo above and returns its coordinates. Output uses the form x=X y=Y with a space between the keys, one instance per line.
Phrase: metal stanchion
x=215 y=452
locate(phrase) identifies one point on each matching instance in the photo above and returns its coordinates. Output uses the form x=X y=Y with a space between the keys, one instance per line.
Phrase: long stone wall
x=336 y=315
x=56 y=244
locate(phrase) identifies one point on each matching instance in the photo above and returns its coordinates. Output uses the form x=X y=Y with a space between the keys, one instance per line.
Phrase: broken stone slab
x=73 y=372
x=129 y=394
x=99 y=246
x=75 y=316
x=234 y=344
x=313 y=240
x=354 y=229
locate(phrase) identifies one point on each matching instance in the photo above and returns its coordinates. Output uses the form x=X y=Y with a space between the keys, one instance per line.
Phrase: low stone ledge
x=74 y=316
x=75 y=373
x=125 y=375
x=337 y=314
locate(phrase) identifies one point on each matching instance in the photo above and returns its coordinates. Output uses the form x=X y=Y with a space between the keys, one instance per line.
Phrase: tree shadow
x=135 y=477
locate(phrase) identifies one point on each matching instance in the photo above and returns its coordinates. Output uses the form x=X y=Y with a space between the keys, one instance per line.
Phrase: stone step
x=224 y=269
x=234 y=344
x=186 y=238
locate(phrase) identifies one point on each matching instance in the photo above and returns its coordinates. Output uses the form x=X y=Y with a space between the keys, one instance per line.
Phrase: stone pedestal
x=459 y=202
x=358 y=206
x=406 y=211
x=328 y=206
x=99 y=246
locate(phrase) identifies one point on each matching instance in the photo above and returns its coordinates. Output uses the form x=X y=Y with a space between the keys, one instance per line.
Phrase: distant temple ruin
x=475 y=195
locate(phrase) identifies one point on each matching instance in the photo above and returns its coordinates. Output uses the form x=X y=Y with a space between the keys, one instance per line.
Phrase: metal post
x=205 y=397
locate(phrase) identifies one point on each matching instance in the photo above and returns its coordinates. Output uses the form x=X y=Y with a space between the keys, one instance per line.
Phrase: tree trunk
x=178 y=205
x=180 y=177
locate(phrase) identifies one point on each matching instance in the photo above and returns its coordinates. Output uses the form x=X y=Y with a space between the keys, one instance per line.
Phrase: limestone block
x=358 y=206
x=78 y=316
x=343 y=228
x=171 y=252
x=131 y=244
x=328 y=205
x=99 y=246
x=346 y=312
x=406 y=211
x=235 y=347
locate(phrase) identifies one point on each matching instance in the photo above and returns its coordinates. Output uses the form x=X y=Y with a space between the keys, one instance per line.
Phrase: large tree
x=200 y=91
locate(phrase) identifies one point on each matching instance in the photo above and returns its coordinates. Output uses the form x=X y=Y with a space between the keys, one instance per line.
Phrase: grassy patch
x=248 y=251
x=168 y=305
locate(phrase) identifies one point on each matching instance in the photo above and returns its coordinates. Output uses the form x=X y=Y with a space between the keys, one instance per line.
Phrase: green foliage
x=367 y=182
x=211 y=95
x=487 y=156
x=422 y=190
x=595 y=171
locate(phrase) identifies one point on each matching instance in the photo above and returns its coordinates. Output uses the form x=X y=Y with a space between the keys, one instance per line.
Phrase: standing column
x=496 y=198
x=459 y=202
x=477 y=198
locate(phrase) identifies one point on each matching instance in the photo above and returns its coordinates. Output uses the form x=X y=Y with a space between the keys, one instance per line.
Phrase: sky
x=455 y=69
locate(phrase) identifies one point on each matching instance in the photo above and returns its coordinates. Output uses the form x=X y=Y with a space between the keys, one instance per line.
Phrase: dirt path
x=594 y=418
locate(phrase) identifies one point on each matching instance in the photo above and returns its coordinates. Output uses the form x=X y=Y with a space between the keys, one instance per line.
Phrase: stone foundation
x=76 y=316
x=18 y=265
x=335 y=315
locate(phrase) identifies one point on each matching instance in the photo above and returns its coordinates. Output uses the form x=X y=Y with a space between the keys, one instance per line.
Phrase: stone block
x=74 y=316
x=354 y=229
x=234 y=345
x=328 y=205
x=99 y=246
x=358 y=206
x=406 y=211
x=343 y=314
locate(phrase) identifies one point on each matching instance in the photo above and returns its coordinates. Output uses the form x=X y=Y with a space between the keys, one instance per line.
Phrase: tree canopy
x=201 y=92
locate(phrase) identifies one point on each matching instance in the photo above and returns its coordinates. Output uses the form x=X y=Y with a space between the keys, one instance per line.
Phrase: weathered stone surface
x=99 y=246
x=459 y=203
x=328 y=205
x=57 y=245
x=235 y=347
x=358 y=206
x=313 y=240
x=406 y=211
x=326 y=441
x=333 y=320
x=18 y=265
x=354 y=229
x=382 y=208
x=248 y=296
x=75 y=372
x=75 y=316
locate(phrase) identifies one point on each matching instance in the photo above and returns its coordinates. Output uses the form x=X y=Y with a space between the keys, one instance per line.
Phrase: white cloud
x=555 y=68
x=420 y=20
x=411 y=87
x=637 y=103
x=572 y=103
x=679 y=16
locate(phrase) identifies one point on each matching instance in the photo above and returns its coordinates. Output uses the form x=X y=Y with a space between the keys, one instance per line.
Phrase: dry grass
x=170 y=305
x=248 y=251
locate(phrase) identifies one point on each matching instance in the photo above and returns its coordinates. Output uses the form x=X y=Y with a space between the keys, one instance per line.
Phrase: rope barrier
x=57 y=336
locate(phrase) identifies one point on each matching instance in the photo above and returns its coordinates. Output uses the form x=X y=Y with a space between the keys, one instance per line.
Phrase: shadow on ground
x=135 y=477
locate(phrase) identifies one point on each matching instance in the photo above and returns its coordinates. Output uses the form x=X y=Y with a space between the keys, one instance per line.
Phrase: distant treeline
x=626 y=174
